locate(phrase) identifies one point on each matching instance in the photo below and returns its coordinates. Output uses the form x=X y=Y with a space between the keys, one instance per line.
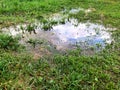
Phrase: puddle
x=65 y=13
x=66 y=36
x=74 y=11
x=77 y=10
x=84 y=35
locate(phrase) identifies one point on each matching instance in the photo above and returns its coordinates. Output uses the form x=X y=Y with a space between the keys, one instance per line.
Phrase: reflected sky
x=91 y=33
x=66 y=36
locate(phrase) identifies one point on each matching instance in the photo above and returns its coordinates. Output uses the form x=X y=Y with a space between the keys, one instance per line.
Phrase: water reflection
x=69 y=35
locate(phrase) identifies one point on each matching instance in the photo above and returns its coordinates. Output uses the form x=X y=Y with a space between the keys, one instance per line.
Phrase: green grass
x=16 y=11
x=8 y=42
x=70 y=71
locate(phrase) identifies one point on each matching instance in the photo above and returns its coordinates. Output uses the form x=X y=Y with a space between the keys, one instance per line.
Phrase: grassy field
x=71 y=71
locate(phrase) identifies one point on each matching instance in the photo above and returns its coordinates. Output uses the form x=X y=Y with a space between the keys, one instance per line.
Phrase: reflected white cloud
x=94 y=33
x=65 y=36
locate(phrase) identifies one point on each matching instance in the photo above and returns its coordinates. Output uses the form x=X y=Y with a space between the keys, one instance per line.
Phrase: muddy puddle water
x=68 y=36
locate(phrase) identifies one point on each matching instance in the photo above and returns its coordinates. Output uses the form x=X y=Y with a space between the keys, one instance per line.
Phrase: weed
x=48 y=24
x=47 y=27
x=34 y=42
x=8 y=42
x=23 y=29
x=62 y=21
x=31 y=28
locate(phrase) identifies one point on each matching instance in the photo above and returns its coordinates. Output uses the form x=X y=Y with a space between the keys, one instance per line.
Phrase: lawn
x=69 y=71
